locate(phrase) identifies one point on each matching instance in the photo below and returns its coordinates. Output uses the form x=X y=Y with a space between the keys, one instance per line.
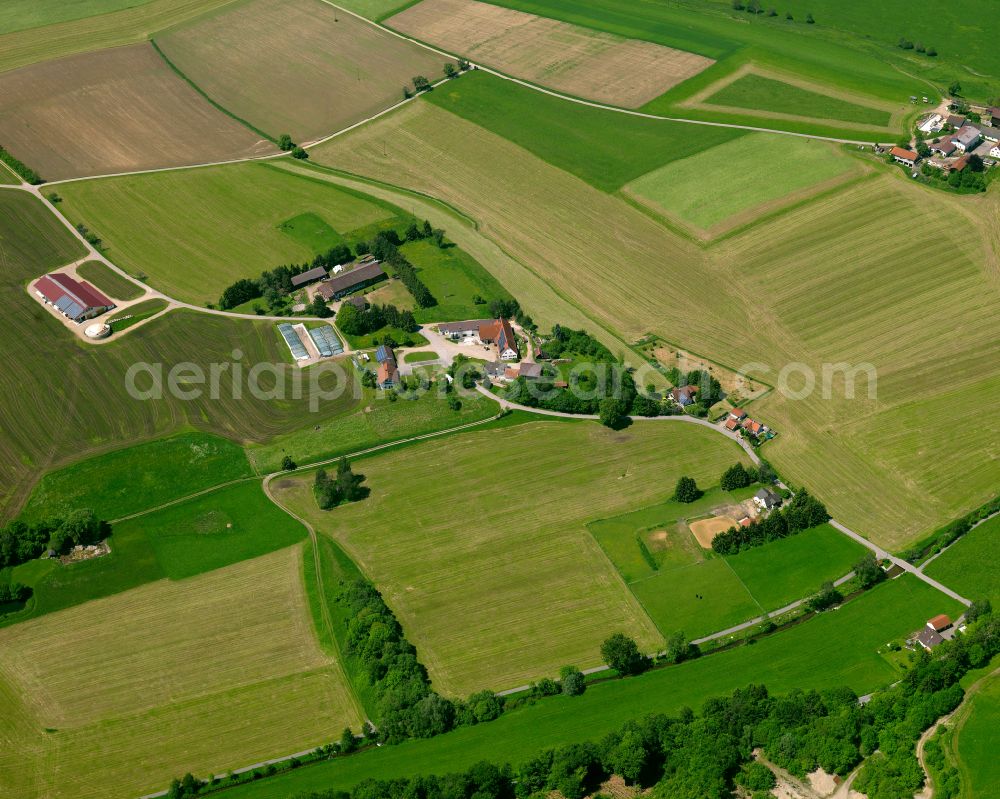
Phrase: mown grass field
x=740 y=179
x=194 y=232
x=604 y=148
x=757 y=92
x=19 y=15
x=374 y=421
x=134 y=22
x=375 y=9
x=296 y=66
x=455 y=279
x=110 y=111
x=109 y=281
x=976 y=743
x=139 y=477
x=493 y=597
x=880 y=273
x=69 y=398
x=117 y=697
x=969 y=566
x=208 y=532
x=123 y=320
x=571 y=59
x=831 y=650
x=697 y=592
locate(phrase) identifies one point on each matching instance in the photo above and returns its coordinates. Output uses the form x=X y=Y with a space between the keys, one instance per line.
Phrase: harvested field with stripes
x=204 y=674
x=491 y=595
x=571 y=59
x=296 y=66
x=113 y=111
x=874 y=273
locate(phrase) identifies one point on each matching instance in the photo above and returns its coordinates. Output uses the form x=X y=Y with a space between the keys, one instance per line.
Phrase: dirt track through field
x=575 y=60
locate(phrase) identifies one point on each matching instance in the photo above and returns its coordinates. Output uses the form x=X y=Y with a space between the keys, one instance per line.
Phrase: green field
x=437 y=547
x=16 y=15
x=193 y=232
x=374 y=421
x=604 y=148
x=976 y=743
x=375 y=9
x=205 y=533
x=455 y=279
x=697 y=592
x=736 y=179
x=81 y=399
x=140 y=477
x=830 y=650
x=311 y=230
x=123 y=320
x=419 y=357
x=756 y=92
x=969 y=565
x=109 y=281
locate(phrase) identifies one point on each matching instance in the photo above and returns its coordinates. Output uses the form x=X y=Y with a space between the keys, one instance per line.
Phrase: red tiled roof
x=738 y=413
x=732 y=424
x=899 y=152
x=55 y=286
x=939 y=622
x=961 y=163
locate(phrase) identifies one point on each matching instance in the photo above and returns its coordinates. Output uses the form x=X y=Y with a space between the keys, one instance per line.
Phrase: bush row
x=22 y=169
x=951 y=532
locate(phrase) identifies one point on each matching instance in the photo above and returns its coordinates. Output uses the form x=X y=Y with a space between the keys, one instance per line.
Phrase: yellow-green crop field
x=478 y=542
x=879 y=272
x=205 y=674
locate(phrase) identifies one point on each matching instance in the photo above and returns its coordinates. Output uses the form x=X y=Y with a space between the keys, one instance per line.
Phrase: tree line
x=275 y=284
x=801 y=513
x=710 y=754
x=22 y=169
x=385 y=247
x=359 y=322
x=21 y=541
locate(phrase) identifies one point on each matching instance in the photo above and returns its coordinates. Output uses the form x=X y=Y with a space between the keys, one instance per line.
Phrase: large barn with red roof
x=74 y=299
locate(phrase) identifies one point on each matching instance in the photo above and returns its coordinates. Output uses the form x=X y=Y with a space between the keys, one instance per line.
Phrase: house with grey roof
x=967 y=138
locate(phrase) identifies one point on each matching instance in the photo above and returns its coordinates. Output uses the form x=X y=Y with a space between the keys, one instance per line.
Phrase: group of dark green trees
x=755 y=7
x=346 y=486
x=801 y=513
x=274 y=285
x=359 y=322
x=707 y=755
x=385 y=247
x=26 y=172
x=21 y=541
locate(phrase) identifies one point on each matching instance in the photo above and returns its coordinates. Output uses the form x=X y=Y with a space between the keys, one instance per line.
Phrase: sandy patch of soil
x=707 y=529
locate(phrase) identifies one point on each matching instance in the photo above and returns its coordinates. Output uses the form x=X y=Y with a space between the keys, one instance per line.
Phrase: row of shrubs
x=22 y=169
x=711 y=754
x=951 y=532
x=385 y=247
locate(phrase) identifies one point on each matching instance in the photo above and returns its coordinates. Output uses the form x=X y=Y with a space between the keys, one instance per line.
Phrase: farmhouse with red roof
x=74 y=299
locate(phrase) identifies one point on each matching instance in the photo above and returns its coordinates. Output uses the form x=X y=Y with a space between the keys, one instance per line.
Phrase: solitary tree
x=298 y=152
x=287 y=464
x=622 y=654
x=320 y=308
x=612 y=412
x=420 y=83
x=348 y=743
x=955 y=89
x=810 y=20
x=678 y=648
x=449 y=70
x=687 y=490
x=285 y=142
x=868 y=570
x=572 y=680
x=736 y=476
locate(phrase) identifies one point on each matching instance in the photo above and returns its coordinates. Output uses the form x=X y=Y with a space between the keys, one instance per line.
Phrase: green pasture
x=604 y=148
x=18 y=15
x=311 y=230
x=400 y=336
x=686 y=588
x=756 y=92
x=109 y=281
x=976 y=743
x=419 y=357
x=713 y=186
x=123 y=320
x=193 y=232
x=374 y=420
x=205 y=533
x=830 y=650
x=969 y=566
x=140 y=477
x=455 y=279
x=376 y=9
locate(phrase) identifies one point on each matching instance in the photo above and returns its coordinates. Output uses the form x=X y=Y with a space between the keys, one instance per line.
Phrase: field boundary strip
x=218 y=107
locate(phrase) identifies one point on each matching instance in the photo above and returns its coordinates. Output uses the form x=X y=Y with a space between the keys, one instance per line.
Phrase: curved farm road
x=928 y=789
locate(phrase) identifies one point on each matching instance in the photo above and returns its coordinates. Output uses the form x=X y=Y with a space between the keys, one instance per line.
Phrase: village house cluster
x=738 y=420
x=954 y=138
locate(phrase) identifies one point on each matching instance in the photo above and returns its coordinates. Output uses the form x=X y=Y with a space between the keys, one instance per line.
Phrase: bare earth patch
x=569 y=58
x=707 y=529
x=113 y=111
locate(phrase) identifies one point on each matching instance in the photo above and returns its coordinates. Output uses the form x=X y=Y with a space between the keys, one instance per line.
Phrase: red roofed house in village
x=737 y=414
x=732 y=424
x=939 y=623
x=74 y=299
x=903 y=156
x=500 y=332
x=753 y=426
